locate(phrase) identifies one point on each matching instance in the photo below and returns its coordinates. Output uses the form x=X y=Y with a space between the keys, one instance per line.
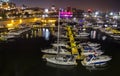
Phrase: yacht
x=13 y=32
x=93 y=44
x=60 y=44
x=87 y=50
x=93 y=60
x=7 y=37
x=55 y=51
x=18 y=31
x=115 y=36
x=92 y=52
x=95 y=47
x=62 y=60
x=82 y=34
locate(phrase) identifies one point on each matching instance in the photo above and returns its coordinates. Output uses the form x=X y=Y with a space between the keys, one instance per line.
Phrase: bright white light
x=43 y=30
x=115 y=17
x=47 y=34
x=53 y=8
x=106 y=25
x=104 y=38
x=111 y=13
x=84 y=29
x=74 y=19
x=96 y=13
x=114 y=25
x=46 y=15
x=46 y=10
x=85 y=15
x=43 y=16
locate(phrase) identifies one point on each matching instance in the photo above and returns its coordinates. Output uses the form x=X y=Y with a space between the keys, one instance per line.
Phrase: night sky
x=82 y=4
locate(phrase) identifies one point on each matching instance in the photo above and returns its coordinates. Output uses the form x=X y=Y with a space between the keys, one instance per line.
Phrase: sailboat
x=58 y=59
x=55 y=51
x=64 y=60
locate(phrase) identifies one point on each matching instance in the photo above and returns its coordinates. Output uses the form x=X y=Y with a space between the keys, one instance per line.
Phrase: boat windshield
x=88 y=48
x=89 y=58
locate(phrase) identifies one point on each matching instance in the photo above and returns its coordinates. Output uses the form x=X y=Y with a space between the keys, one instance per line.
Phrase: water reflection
x=60 y=66
x=40 y=32
x=43 y=32
x=97 y=68
x=93 y=34
x=47 y=34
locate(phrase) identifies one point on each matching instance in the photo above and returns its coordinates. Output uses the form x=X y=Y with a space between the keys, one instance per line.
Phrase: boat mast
x=58 y=31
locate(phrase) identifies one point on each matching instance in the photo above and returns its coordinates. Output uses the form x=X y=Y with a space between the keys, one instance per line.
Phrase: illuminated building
x=5 y=4
x=5 y=0
x=69 y=9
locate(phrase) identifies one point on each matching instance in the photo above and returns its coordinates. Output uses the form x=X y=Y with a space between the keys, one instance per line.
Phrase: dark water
x=22 y=57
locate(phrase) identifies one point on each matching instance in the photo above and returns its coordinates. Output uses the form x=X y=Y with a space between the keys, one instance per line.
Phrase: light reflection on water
x=60 y=66
x=89 y=68
x=41 y=32
x=97 y=68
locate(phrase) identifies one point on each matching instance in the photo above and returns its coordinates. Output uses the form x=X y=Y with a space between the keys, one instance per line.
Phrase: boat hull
x=60 y=62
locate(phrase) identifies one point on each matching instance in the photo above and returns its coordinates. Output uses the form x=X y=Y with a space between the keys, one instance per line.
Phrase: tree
x=27 y=14
x=3 y=14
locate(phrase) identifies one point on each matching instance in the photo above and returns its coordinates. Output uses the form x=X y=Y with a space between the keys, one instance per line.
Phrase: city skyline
x=82 y=4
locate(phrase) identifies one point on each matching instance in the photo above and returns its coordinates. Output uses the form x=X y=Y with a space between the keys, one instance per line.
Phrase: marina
x=61 y=50
x=62 y=40
x=27 y=60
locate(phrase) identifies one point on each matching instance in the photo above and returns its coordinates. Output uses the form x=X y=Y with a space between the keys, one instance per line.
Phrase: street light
x=111 y=13
x=96 y=13
x=46 y=10
x=35 y=19
x=20 y=21
x=12 y=21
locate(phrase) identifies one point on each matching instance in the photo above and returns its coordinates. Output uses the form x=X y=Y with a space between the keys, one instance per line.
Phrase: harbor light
x=35 y=19
x=96 y=13
x=74 y=19
x=46 y=10
x=10 y=26
x=12 y=21
x=111 y=13
x=20 y=20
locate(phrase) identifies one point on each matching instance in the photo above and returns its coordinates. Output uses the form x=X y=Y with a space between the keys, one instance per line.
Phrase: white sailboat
x=55 y=51
x=61 y=60
x=60 y=44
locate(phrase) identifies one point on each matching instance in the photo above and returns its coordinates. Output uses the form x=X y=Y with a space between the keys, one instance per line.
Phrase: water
x=23 y=57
